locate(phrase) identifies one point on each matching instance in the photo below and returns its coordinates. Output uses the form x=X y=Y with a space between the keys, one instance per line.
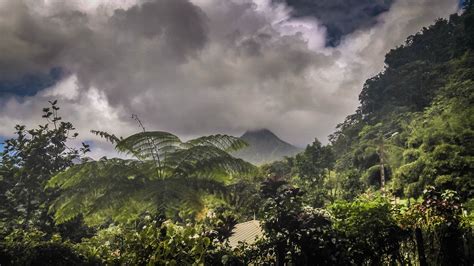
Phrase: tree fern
x=166 y=173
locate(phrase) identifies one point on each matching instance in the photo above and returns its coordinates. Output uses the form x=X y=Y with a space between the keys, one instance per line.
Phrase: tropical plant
x=167 y=175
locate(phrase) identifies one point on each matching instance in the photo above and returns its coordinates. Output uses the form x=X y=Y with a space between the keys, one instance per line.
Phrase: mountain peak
x=264 y=147
x=262 y=132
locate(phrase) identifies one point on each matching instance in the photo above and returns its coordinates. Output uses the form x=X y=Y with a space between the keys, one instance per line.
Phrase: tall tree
x=312 y=167
x=28 y=161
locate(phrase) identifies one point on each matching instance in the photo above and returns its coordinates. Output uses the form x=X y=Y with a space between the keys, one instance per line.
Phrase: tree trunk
x=280 y=256
x=420 y=247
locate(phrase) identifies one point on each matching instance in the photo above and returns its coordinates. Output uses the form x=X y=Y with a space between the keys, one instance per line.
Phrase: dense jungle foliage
x=394 y=186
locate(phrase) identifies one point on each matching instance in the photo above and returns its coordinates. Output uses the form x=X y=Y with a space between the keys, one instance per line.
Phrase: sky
x=197 y=67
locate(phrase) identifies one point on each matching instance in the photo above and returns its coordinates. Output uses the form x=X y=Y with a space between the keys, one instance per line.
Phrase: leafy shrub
x=371 y=229
x=152 y=242
x=34 y=247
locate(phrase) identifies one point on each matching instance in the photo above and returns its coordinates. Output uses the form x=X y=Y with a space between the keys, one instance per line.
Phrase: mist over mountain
x=264 y=147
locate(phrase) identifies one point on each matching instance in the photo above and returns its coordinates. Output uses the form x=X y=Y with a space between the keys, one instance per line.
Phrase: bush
x=153 y=242
x=371 y=229
x=32 y=247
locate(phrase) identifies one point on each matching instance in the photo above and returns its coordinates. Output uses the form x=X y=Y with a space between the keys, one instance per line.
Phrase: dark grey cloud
x=33 y=43
x=341 y=17
x=139 y=48
x=30 y=43
x=179 y=23
x=32 y=46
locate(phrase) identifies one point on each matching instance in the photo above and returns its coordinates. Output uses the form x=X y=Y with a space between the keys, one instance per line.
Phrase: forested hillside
x=417 y=114
x=394 y=186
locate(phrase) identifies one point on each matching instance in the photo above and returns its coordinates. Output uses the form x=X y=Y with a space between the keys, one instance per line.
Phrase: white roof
x=245 y=232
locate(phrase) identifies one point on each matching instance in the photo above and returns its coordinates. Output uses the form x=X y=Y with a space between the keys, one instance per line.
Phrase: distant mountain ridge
x=264 y=147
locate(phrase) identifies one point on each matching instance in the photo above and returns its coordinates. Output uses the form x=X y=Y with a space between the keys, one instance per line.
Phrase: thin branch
x=157 y=160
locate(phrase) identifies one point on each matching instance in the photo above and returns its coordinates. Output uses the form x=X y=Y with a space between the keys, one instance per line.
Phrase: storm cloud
x=194 y=67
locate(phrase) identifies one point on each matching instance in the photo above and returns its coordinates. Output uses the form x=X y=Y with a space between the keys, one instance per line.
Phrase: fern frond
x=169 y=173
x=149 y=145
x=223 y=142
x=93 y=186
x=109 y=137
x=205 y=159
